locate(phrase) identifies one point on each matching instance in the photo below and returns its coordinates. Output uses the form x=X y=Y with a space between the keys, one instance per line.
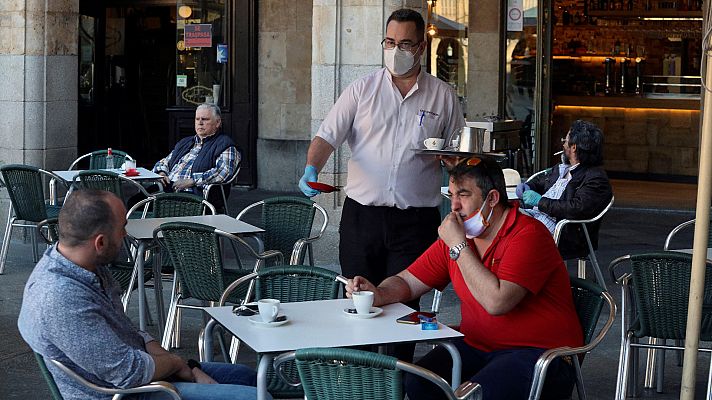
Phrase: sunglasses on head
x=471 y=161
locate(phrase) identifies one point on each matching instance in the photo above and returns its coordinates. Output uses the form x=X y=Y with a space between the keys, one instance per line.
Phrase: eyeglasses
x=471 y=161
x=389 y=44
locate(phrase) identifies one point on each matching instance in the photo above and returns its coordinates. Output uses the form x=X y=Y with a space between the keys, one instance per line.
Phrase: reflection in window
x=201 y=53
x=87 y=30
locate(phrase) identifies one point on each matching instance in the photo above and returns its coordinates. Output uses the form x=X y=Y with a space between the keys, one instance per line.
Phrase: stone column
x=483 y=80
x=38 y=82
x=346 y=38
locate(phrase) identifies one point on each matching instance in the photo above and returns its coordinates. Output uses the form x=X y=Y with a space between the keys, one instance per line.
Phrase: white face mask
x=398 y=62
x=476 y=223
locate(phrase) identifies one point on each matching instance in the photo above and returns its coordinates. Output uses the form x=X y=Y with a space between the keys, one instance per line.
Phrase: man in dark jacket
x=208 y=157
x=578 y=188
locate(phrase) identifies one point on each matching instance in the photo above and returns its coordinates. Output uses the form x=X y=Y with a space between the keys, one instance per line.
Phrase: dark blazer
x=585 y=196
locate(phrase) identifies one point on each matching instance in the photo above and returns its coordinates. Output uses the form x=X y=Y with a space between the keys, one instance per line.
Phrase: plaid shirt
x=225 y=166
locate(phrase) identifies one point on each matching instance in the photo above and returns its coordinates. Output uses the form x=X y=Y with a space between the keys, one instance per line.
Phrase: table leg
x=158 y=289
x=456 y=363
x=262 y=368
x=141 y=286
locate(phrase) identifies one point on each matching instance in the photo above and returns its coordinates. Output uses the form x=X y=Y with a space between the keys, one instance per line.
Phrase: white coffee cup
x=434 y=143
x=269 y=309
x=363 y=301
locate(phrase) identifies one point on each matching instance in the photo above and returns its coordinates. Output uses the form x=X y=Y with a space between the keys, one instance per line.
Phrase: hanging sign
x=182 y=80
x=198 y=35
x=515 y=16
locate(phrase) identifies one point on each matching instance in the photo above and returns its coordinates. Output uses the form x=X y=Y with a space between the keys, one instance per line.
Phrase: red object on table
x=322 y=187
x=132 y=172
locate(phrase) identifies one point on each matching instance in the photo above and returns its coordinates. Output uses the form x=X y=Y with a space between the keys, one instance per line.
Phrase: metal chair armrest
x=469 y=390
x=232 y=286
x=561 y=223
x=612 y=269
x=248 y=208
x=260 y=256
x=143 y=203
x=277 y=365
x=674 y=231
x=159 y=386
x=434 y=378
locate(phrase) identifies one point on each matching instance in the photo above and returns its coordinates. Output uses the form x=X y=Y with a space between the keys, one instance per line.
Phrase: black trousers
x=378 y=242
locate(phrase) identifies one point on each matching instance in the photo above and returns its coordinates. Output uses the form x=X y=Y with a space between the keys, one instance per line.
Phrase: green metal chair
x=195 y=252
x=29 y=205
x=218 y=193
x=288 y=222
x=107 y=180
x=97 y=159
x=335 y=374
x=293 y=283
x=153 y=387
x=589 y=299
x=654 y=305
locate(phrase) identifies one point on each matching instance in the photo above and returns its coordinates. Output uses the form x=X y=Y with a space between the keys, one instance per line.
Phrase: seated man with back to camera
x=514 y=289
x=578 y=188
x=71 y=312
x=208 y=157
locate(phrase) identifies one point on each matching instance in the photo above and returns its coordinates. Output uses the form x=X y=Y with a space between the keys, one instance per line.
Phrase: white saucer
x=257 y=320
x=374 y=312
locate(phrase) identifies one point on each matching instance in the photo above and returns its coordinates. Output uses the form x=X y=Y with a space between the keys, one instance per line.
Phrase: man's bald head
x=86 y=213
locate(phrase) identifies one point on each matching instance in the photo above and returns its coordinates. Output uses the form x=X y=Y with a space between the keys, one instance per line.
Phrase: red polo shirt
x=523 y=252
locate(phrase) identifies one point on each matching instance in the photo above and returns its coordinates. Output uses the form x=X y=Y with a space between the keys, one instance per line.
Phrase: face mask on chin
x=475 y=224
x=398 y=62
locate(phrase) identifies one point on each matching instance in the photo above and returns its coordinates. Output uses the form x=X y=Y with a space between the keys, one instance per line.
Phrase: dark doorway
x=134 y=55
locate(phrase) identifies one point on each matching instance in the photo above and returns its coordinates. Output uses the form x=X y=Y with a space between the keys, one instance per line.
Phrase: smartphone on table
x=414 y=317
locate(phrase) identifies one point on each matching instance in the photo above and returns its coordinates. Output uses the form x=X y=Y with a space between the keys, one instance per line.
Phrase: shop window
x=202 y=55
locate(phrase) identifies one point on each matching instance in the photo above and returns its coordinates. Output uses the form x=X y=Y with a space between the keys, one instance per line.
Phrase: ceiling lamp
x=185 y=11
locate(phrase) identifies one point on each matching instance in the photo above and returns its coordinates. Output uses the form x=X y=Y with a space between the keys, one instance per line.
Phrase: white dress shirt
x=383 y=130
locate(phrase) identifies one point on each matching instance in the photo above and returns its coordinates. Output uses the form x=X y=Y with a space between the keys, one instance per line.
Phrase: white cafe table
x=68 y=177
x=142 y=231
x=324 y=324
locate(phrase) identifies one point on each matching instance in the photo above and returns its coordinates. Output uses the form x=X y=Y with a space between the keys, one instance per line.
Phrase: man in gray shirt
x=71 y=312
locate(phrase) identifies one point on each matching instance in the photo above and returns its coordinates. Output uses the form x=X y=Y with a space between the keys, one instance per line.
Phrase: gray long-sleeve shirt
x=74 y=316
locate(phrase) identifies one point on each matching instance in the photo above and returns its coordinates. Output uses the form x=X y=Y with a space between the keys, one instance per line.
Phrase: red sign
x=198 y=35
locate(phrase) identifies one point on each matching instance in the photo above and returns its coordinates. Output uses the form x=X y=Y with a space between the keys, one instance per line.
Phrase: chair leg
x=33 y=241
x=623 y=368
x=6 y=240
x=175 y=343
x=580 y=388
x=651 y=365
x=594 y=261
x=437 y=296
x=660 y=366
x=234 y=349
x=168 y=330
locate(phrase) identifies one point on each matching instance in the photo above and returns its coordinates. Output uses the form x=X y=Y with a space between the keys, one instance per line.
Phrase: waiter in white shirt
x=390 y=214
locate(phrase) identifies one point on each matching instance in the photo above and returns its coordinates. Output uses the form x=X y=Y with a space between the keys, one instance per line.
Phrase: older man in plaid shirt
x=208 y=157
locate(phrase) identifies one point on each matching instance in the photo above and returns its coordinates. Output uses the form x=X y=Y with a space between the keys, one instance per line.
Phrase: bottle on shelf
x=624 y=76
x=609 y=87
x=109 y=159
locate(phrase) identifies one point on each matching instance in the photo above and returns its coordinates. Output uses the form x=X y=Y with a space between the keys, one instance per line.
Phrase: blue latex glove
x=310 y=175
x=521 y=188
x=531 y=198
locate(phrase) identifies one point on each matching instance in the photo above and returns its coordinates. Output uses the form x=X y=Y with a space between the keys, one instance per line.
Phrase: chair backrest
x=285 y=220
x=219 y=198
x=661 y=286
x=194 y=250
x=49 y=379
x=180 y=205
x=26 y=190
x=328 y=374
x=588 y=301
x=97 y=159
x=296 y=283
x=106 y=180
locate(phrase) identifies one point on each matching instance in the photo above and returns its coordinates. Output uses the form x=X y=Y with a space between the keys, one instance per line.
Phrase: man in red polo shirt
x=512 y=283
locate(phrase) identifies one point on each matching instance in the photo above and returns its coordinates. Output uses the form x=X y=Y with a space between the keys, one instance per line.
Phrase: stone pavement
x=625 y=230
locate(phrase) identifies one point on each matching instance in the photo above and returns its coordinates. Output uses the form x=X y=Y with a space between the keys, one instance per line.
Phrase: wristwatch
x=455 y=250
